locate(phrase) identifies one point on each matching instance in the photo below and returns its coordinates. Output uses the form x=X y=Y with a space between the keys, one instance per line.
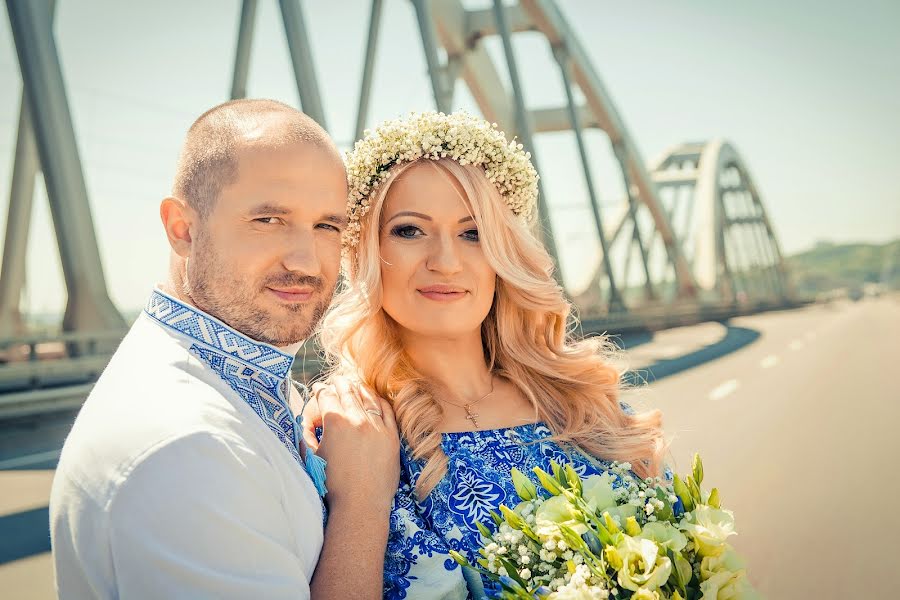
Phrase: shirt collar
x=259 y=373
x=208 y=331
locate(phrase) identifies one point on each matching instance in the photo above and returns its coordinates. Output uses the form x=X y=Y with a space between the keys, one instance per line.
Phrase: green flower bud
x=573 y=479
x=613 y=558
x=697 y=468
x=484 y=531
x=610 y=524
x=514 y=520
x=550 y=484
x=714 y=500
x=631 y=527
x=694 y=488
x=524 y=488
x=682 y=491
x=459 y=558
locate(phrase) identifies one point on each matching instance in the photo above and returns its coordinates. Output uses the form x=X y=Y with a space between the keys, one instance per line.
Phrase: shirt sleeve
x=202 y=517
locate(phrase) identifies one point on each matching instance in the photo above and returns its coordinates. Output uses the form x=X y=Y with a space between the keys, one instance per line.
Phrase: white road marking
x=795 y=345
x=769 y=361
x=29 y=459
x=724 y=389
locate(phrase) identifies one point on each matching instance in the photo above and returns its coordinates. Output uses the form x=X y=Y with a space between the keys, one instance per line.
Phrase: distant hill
x=829 y=266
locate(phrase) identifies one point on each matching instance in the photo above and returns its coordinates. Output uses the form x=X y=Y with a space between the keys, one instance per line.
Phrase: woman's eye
x=328 y=227
x=471 y=235
x=406 y=231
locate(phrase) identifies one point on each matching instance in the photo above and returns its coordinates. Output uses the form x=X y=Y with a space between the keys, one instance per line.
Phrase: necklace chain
x=472 y=416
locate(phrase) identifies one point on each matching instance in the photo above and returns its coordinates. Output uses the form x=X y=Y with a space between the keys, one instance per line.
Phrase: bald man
x=186 y=474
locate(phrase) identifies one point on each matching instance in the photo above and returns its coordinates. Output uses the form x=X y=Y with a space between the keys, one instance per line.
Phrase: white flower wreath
x=462 y=137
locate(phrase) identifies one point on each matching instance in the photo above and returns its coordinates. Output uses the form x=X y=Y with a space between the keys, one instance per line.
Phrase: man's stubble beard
x=209 y=285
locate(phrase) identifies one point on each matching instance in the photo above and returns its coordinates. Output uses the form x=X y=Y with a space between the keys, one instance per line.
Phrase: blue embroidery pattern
x=258 y=373
x=478 y=480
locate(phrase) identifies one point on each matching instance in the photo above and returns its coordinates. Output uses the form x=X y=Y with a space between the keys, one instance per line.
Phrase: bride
x=451 y=312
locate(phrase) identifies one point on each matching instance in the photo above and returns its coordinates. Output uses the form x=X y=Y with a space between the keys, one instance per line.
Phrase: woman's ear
x=177 y=218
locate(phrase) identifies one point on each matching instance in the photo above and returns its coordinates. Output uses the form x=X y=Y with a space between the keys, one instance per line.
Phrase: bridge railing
x=49 y=360
x=56 y=372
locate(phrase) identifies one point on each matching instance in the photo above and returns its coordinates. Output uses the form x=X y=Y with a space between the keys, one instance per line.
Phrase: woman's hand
x=361 y=443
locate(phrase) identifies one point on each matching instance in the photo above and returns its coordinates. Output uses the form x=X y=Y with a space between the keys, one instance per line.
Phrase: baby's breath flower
x=431 y=135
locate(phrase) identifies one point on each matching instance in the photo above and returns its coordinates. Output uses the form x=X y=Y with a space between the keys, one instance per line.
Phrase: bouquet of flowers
x=612 y=536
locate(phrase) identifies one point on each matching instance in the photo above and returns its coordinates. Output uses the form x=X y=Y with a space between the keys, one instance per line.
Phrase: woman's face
x=436 y=280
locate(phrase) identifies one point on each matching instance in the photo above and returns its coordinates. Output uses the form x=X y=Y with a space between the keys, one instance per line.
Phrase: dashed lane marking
x=769 y=361
x=725 y=389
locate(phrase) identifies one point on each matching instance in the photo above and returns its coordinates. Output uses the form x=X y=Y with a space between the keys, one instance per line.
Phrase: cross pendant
x=471 y=416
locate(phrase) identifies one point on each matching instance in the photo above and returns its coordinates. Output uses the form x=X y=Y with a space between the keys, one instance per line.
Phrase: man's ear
x=177 y=219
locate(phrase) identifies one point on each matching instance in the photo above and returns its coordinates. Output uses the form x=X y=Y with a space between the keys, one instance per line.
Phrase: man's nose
x=301 y=255
x=444 y=255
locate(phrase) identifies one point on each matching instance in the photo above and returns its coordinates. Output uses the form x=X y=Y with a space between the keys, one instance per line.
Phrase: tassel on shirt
x=315 y=467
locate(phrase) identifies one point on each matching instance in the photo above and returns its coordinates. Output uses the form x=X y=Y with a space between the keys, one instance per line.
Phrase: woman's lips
x=442 y=293
x=292 y=294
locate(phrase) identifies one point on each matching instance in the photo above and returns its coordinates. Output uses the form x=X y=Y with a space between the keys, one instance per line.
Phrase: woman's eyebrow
x=409 y=213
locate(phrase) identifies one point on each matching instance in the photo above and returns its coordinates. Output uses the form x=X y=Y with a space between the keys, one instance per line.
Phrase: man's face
x=266 y=259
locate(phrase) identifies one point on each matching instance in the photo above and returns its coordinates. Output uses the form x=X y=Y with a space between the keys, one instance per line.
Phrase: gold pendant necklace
x=470 y=415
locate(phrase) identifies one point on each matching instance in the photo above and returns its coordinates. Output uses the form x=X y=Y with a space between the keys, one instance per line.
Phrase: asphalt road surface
x=796 y=414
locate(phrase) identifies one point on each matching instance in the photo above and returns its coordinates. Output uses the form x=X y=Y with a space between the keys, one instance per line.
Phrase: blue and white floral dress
x=478 y=480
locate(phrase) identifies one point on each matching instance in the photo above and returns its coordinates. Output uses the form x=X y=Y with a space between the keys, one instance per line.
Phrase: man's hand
x=361 y=443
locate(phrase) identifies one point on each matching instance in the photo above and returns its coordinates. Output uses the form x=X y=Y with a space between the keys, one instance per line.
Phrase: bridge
x=690 y=241
x=686 y=270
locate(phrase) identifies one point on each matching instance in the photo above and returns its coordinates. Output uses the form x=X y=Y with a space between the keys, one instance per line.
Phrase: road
x=796 y=414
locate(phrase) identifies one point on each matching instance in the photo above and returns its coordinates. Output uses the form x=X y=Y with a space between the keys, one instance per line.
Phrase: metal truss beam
x=546 y=17
x=89 y=306
x=299 y=48
x=242 y=53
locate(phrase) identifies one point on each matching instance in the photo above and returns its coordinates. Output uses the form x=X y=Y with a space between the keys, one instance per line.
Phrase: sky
x=807 y=92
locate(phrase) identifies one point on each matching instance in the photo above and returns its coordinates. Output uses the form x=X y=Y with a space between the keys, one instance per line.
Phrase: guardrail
x=72 y=362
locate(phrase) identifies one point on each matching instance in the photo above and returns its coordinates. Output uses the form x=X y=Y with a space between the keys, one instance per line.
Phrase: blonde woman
x=451 y=312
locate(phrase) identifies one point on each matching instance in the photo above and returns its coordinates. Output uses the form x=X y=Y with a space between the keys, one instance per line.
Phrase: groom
x=186 y=474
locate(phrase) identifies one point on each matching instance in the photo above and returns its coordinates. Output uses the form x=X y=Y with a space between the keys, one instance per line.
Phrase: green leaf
x=496 y=518
x=665 y=513
x=512 y=572
x=682 y=570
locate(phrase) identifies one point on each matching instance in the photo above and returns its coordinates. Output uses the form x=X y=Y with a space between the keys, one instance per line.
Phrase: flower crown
x=466 y=139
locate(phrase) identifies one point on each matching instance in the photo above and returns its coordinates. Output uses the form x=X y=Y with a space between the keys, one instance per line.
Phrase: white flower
x=431 y=135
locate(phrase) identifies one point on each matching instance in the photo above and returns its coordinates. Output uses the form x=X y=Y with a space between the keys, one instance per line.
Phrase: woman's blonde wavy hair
x=571 y=383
